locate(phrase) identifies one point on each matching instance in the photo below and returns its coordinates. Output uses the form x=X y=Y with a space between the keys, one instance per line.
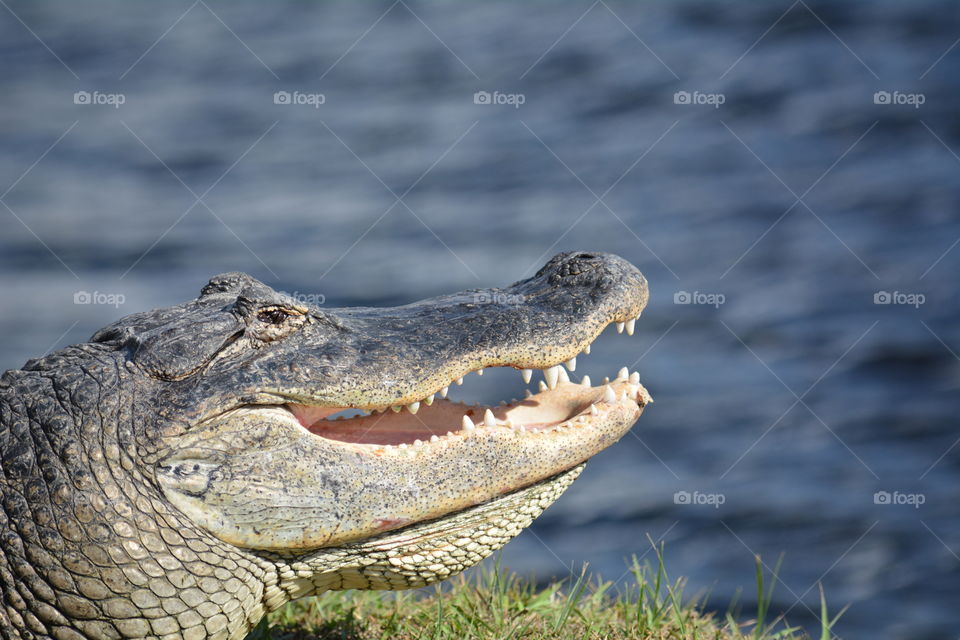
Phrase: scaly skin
x=176 y=477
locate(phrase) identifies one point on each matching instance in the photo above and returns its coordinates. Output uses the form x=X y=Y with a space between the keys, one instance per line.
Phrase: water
x=704 y=200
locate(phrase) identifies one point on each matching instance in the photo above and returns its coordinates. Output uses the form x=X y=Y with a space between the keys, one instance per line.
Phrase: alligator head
x=287 y=449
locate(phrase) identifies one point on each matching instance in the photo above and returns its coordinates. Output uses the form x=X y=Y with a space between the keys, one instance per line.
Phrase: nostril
x=576 y=264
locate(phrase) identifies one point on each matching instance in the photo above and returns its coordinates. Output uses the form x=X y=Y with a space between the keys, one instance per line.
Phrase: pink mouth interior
x=542 y=411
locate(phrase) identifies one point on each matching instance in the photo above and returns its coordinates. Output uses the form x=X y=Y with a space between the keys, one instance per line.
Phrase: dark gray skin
x=129 y=464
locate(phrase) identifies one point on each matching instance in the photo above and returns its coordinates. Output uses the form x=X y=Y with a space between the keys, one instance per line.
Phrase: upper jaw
x=400 y=356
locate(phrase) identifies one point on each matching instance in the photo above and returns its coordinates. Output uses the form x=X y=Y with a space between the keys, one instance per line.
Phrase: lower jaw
x=431 y=550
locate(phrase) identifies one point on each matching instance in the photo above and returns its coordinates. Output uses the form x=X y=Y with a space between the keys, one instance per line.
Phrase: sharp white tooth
x=586 y=349
x=572 y=363
x=593 y=410
x=402 y=445
x=623 y=395
x=396 y=409
x=503 y=403
x=551 y=376
x=630 y=323
x=459 y=380
x=586 y=381
x=620 y=326
x=479 y=372
x=542 y=386
x=522 y=429
x=623 y=374
x=635 y=378
x=444 y=392
x=608 y=395
x=488 y=419
x=527 y=374
x=429 y=399
x=468 y=423
x=450 y=433
x=527 y=394
x=508 y=423
x=417 y=443
x=562 y=375
x=413 y=407
x=434 y=438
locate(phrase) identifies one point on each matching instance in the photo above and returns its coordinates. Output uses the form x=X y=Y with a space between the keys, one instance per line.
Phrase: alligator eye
x=273 y=316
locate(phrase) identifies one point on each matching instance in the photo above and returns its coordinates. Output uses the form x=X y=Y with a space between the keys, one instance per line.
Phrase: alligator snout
x=597 y=274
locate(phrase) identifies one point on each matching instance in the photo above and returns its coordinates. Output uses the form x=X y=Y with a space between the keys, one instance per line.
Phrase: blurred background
x=786 y=175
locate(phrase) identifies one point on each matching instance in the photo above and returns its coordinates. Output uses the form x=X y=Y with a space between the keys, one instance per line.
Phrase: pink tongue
x=309 y=415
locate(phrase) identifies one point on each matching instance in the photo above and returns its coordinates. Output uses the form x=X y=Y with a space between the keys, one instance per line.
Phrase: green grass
x=497 y=605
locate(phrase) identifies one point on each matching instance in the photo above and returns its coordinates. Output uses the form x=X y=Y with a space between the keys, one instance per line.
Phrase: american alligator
x=190 y=469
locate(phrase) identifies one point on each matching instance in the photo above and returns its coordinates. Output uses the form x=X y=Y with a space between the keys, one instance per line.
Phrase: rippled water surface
x=785 y=192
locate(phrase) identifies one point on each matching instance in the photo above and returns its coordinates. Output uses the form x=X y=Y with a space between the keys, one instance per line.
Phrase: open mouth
x=560 y=405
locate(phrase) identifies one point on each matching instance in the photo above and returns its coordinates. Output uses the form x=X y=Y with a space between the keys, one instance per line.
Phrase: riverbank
x=497 y=605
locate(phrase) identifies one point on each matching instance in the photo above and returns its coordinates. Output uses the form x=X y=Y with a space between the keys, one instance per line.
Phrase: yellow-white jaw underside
x=420 y=554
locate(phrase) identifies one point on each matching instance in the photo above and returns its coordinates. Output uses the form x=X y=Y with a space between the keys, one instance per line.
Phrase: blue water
x=702 y=197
